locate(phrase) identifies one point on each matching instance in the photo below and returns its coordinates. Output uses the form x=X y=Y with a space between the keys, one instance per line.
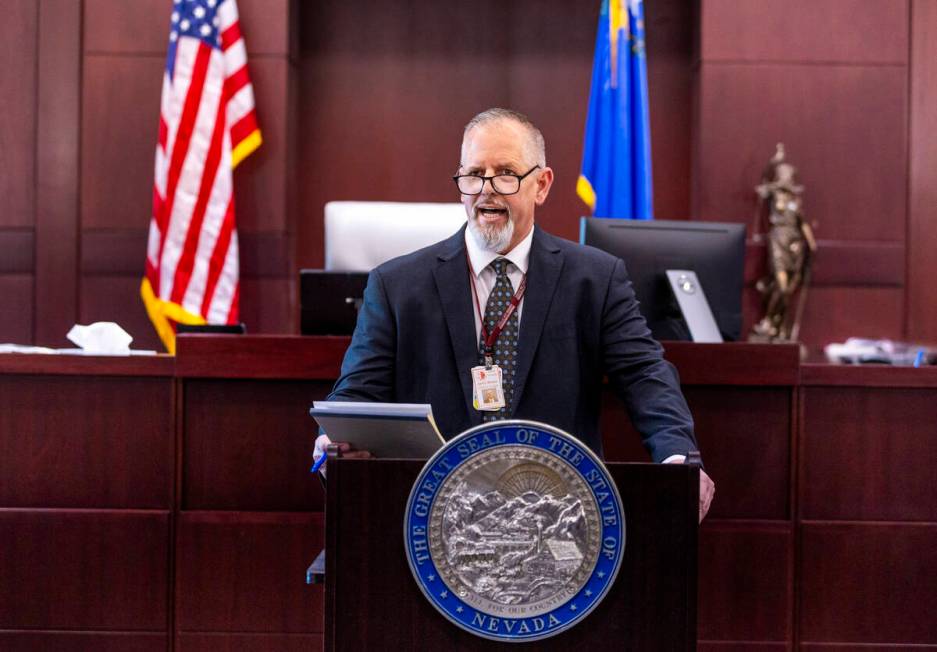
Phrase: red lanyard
x=492 y=337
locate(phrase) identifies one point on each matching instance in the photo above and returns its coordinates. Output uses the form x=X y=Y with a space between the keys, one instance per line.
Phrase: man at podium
x=503 y=320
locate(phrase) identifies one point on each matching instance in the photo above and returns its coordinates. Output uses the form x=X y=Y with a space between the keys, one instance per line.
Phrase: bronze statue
x=791 y=247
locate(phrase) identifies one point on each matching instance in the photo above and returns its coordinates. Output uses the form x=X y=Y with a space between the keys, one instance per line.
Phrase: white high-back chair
x=360 y=235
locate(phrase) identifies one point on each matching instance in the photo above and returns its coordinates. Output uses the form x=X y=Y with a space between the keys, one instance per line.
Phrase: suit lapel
x=455 y=296
x=546 y=262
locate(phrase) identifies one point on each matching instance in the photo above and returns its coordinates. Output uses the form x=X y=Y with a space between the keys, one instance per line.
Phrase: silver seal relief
x=514 y=530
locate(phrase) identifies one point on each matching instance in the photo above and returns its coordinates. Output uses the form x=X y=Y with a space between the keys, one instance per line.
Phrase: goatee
x=493 y=238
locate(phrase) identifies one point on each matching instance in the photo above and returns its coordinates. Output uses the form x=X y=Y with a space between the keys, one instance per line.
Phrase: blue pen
x=319 y=463
x=920 y=358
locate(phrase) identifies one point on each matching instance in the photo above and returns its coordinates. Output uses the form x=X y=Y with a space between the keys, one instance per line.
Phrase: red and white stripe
x=206 y=111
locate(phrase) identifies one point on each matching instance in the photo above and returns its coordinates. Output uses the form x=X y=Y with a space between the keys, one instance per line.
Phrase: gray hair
x=535 y=146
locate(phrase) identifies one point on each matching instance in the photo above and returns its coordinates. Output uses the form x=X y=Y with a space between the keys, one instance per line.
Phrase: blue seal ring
x=462 y=450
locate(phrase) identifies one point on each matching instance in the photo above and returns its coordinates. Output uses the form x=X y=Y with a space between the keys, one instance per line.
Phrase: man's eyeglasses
x=503 y=184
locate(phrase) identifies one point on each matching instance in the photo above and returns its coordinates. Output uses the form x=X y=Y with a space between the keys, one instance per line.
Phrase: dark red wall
x=366 y=100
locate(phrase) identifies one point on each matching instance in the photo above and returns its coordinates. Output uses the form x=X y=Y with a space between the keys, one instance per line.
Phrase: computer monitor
x=329 y=301
x=715 y=251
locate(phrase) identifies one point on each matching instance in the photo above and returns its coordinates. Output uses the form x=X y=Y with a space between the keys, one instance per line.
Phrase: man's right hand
x=322 y=442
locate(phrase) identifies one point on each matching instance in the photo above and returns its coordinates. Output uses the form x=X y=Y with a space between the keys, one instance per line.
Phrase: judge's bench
x=154 y=503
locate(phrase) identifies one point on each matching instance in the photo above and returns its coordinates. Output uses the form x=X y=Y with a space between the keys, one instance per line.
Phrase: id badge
x=487 y=394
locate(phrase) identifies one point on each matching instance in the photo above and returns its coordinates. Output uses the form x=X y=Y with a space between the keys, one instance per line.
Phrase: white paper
x=101 y=338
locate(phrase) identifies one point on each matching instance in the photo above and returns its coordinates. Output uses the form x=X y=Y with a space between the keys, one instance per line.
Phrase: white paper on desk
x=101 y=338
x=24 y=348
x=388 y=430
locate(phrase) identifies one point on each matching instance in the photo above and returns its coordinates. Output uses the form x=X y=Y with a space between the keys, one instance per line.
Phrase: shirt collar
x=481 y=258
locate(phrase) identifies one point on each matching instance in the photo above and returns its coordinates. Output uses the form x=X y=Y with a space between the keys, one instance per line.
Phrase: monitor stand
x=692 y=301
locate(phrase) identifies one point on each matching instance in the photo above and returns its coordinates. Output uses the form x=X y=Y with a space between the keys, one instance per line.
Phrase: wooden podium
x=373 y=602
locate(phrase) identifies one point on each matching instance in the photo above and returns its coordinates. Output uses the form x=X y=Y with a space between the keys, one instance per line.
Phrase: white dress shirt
x=484 y=277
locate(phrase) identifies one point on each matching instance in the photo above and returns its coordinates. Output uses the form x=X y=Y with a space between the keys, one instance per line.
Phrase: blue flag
x=616 y=161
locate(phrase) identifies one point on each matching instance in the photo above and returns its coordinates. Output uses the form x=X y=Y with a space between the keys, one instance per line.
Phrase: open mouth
x=490 y=212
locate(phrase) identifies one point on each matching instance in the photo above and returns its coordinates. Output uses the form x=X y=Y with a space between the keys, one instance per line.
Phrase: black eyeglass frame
x=519 y=177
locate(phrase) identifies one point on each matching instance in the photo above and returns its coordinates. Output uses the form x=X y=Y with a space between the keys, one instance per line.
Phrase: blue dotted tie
x=505 y=348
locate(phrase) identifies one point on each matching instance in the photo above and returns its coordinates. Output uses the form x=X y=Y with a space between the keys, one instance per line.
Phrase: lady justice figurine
x=791 y=247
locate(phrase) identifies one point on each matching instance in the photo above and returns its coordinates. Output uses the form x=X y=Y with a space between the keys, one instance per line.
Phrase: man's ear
x=544 y=182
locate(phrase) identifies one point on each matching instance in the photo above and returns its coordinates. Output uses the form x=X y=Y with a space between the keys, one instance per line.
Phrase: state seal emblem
x=514 y=530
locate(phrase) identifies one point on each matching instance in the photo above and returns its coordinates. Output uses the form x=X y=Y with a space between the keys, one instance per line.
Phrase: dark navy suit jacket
x=415 y=342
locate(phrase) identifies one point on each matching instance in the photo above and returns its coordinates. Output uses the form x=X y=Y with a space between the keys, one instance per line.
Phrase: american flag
x=207 y=126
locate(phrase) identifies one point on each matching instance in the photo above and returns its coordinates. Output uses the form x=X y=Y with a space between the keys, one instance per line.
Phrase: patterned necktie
x=505 y=347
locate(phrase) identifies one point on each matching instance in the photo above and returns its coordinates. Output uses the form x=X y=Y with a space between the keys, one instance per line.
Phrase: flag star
x=588 y=592
x=601 y=573
x=206 y=30
x=175 y=16
x=184 y=25
x=572 y=607
x=459 y=609
x=216 y=21
x=173 y=36
x=211 y=4
x=199 y=12
x=444 y=595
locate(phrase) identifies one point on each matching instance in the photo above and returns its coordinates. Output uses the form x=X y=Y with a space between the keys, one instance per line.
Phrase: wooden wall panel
x=16 y=309
x=839 y=647
x=117 y=26
x=922 y=190
x=112 y=26
x=879 y=575
x=117 y=152
x=24 y=641
x=224 y=447
x=84 y=570
x=269 y=305
x=750 y=484
x=224 y=642
x=57 y=169
x=670 y=58
x=263 y=357
x=745 y=581
x=19 y=31
x=734 y=646
x=889 y=442
x=19 y=248
x=836 y=313
x=865 y=263
x=260 y=181
x=845 y=127
x=119 y=453
x=260 y=560
x=748 y=457
x=844 y=31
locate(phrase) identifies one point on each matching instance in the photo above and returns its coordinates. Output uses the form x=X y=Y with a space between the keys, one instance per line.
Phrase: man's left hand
x=707 y=489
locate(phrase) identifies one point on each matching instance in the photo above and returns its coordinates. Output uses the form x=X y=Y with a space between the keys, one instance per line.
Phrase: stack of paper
x=389 y=430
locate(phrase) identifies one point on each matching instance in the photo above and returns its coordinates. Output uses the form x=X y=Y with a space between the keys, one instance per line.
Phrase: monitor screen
x=714 y=250
x=329 y=301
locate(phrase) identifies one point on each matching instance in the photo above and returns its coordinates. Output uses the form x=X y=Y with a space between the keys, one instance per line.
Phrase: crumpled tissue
x=101 y=338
